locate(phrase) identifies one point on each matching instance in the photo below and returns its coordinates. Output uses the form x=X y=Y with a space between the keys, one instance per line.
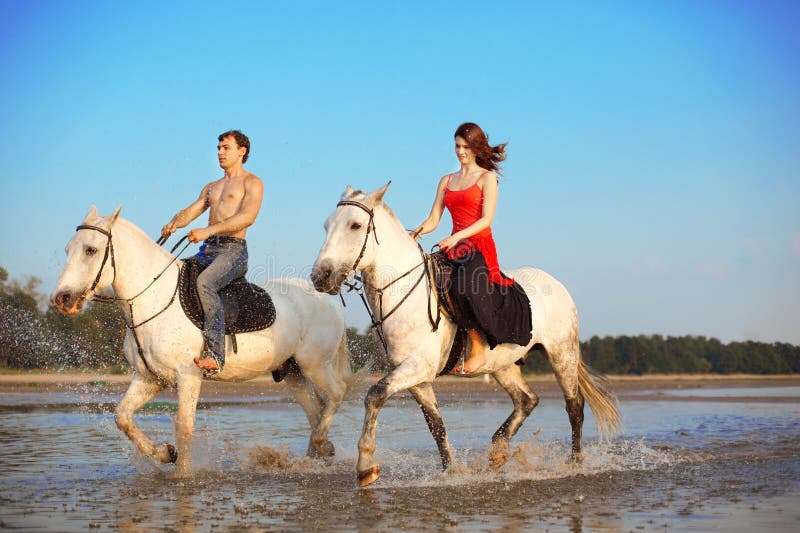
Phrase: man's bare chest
x=226 y=194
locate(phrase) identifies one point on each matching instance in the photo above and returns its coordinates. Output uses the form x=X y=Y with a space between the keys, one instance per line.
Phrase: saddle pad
x=247 y=307
x=441 y=271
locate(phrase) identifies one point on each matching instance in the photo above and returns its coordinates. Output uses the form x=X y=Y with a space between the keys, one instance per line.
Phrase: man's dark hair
x=241 y=140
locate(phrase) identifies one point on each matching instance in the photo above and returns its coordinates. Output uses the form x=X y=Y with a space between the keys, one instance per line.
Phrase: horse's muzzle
x=327 y=279
x=66 y=303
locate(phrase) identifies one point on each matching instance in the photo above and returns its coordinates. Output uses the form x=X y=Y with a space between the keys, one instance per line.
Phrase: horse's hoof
x=173 y=453
x=498 y=459
x=576 y=458
x=323 y=449
x=369 y=476
x=498 y=454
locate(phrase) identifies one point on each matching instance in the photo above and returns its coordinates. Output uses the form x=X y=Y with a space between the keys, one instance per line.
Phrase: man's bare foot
x=207 y=363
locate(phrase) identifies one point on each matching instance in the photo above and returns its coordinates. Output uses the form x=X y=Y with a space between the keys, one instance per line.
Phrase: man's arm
x=184 y=217
x=251 y=204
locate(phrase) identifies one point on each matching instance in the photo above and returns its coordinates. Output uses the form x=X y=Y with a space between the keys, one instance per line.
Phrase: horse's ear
x=91 y=216
x=113 y=217
x=348 y=192
x=375 y=197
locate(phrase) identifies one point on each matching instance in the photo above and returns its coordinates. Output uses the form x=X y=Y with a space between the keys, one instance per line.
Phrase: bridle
x=109 y=253
x=370 y=227
x=377 y=321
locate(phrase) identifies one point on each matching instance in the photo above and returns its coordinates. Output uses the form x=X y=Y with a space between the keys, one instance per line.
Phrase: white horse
x=310 y=327
x=363 y=234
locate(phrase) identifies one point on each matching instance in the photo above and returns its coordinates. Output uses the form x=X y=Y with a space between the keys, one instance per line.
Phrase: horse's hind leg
x=525 y=400
x=426 y=399
x=565 y=363
x=139 y=392
x=306 y=396
x=330 y=389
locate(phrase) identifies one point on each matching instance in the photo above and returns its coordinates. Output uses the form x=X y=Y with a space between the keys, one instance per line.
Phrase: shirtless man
x=235 y=200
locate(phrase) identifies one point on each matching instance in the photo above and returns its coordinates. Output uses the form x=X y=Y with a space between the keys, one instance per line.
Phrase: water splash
x=529 y=460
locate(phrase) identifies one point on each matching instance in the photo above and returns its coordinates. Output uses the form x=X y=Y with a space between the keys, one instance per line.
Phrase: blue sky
x=654 y=147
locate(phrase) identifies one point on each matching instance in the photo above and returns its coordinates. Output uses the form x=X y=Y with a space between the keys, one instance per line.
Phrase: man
x=234 y=201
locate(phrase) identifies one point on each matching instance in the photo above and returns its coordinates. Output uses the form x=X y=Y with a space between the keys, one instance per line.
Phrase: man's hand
x=199 y=234
x=169 y=228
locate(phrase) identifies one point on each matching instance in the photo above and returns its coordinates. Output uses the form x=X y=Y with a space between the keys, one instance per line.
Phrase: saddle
x=248 y=307
x=441 y=271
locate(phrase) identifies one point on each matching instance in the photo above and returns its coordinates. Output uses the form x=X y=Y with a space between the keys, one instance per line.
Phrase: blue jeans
x=225 y=259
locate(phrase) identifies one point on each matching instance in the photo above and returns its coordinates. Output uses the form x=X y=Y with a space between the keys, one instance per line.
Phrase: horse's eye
x=355 y=225
x=90 y=251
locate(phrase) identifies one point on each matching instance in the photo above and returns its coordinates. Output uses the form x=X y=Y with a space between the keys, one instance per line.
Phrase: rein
x=377 y=322
x=111 y=299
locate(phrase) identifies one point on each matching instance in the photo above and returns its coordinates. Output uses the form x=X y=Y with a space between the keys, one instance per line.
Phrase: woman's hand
x=448 y=242
x=416 y=233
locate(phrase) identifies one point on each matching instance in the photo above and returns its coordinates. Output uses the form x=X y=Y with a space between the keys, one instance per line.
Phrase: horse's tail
x=597 y=391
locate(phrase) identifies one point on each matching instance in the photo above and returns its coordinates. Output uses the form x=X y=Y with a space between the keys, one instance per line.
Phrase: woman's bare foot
x=477 y=357
x=472 y=365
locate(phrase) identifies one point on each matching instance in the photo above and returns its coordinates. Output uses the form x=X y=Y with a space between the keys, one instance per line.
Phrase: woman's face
x=463 y=152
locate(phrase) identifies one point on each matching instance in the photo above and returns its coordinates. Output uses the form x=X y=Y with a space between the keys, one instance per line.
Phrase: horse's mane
x=130 y=226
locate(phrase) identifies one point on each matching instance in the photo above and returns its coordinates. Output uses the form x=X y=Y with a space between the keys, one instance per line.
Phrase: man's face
x=228 y=152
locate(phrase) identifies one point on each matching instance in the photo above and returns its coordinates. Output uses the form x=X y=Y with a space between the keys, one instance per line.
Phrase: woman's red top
x=466 y=207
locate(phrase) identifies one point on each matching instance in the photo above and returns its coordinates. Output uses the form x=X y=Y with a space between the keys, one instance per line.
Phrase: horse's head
x=90 y=263
x=350 y=239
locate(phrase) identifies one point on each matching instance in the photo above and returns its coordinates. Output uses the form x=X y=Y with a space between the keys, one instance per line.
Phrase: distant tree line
x=33 y=335
x=643 y=354
x=655 y=354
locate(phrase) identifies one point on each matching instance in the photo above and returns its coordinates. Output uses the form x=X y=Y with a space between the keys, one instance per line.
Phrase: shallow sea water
x=693 y=465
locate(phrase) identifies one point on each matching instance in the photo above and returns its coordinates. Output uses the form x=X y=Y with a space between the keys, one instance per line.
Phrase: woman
x=490 y=303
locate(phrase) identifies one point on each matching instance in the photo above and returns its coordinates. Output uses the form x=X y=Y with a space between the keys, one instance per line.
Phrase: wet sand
x=648 y=387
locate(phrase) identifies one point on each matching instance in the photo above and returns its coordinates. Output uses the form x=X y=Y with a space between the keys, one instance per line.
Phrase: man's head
x=232 y=144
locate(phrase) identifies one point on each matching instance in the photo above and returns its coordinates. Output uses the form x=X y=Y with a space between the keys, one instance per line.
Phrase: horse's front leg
x=409 y=373
x=189 y=383
x=139 y=392
x=426 y=399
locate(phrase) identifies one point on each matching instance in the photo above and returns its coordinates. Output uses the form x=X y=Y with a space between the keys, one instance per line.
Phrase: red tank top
x=466 y=207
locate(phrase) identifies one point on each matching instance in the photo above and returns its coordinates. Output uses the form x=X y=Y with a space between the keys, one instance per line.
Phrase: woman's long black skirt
x=501 y=312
